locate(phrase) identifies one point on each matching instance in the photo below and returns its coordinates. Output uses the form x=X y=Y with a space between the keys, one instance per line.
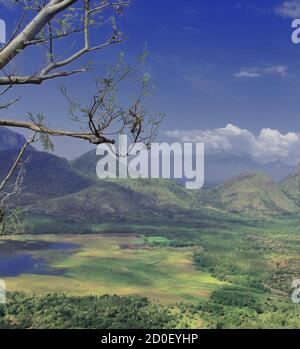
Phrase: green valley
x=223 y=257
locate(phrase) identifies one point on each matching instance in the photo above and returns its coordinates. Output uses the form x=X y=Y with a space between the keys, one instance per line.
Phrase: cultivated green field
x=209 y=271
x=121 y=265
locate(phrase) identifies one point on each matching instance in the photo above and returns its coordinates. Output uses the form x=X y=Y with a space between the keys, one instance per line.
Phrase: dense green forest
x=227 y=308
x=62 y=311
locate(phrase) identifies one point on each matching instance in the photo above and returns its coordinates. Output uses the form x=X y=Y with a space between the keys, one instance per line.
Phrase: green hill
x=58 y=190
x=86 y=163
x=46 y=175
x=251 y=193
x=162 y=193
x=291 y=186
x=109 y=201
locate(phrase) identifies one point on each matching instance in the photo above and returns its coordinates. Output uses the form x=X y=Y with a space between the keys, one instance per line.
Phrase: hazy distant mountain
x=218 y=168
x=222 y=166
x=11 y=140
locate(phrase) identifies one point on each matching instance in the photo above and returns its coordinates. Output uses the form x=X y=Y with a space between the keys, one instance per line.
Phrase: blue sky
x=213 y=62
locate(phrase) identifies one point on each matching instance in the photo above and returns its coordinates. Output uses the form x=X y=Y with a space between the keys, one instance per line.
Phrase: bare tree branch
x=52 y=132
x=8 y=104
x=28 y=37
x=16 y=162
x=16 y=45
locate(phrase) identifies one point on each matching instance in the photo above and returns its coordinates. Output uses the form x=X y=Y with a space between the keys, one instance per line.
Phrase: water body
x=15 y=257
x=12 y=246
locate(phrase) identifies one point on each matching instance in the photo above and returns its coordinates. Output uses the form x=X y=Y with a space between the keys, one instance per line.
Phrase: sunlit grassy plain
x=122 y=265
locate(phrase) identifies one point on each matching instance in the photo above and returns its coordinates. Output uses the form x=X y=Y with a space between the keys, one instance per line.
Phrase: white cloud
x=280 y=70
x=256 y=72
x=268 y=145
x=244 y=73
x=289 y=8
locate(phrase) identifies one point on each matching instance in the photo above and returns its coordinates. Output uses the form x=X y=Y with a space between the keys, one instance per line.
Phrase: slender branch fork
x=17 y=161
x=34 y=34
x=5 y=195
x=52 y=132
x=28 y=37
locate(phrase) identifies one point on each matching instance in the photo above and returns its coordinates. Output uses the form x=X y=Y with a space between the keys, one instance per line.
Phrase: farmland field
x=114 y=264
x=237 y=275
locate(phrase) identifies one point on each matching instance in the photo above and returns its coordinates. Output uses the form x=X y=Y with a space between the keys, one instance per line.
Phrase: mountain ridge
x=218 y=167
x=69 y=190
x=253 y=193
x=291 y=185
x=10 y=140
